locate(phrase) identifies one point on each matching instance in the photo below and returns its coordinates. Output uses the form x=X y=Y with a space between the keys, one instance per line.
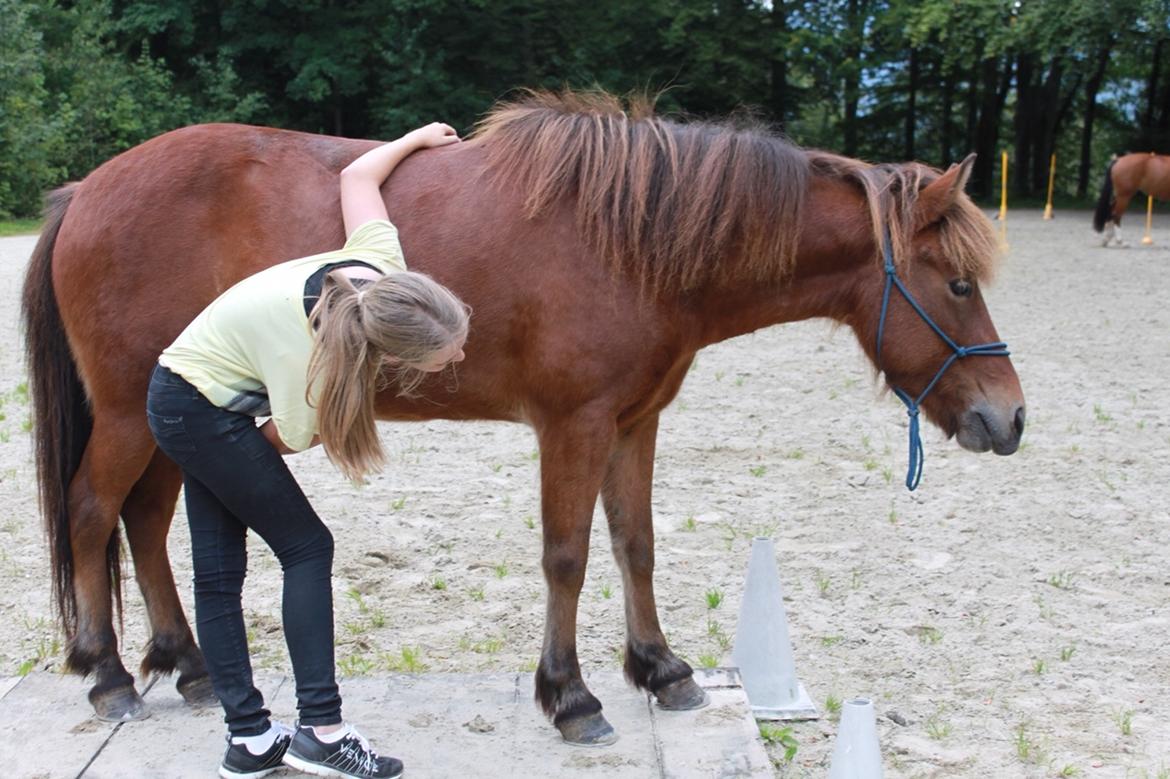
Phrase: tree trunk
x=946 y=155
x=1091 y=89
x=852 y=75
x=779 y=107
x=993 y=94
x=911 y=101
x=1049 y=124
x=1152 y=89
x=1024 y=125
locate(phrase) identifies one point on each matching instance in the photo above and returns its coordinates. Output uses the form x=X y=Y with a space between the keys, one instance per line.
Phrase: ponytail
x=406 y=316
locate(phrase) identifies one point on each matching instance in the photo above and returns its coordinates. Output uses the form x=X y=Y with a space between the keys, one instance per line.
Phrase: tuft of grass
x=408 y=660
x=833 y=706
x=823 y=583
x=438 y=583
x=708 y=660
x=758 y=470
x=892 y=517
x=1039 y=666
x=714 y=598
x=782 y=736
x=690 y=525
x=1062 y=580
x=530 y=522
x=397 y=503
x=1101 y=415
x=1069 y=770
x=937 y=728
x=488 y=646
x=1124 y=720
x=606 y=591
x=827 y=641
x=1066 y=653
x=355 y=665
x=501 y=570
x=870 y=464
x=928 y=634
x=477 y=594
x=795 y=454
x=1027 y=750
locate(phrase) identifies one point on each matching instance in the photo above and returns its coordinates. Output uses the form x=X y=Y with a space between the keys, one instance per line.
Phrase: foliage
x=880 y=79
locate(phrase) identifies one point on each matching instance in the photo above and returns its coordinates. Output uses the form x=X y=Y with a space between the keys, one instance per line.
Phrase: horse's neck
x=835 y=255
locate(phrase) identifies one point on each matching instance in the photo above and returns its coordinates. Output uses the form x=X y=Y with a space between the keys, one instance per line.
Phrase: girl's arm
x=361 y=180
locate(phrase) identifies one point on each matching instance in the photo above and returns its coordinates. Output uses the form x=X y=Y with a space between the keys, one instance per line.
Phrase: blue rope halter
x=996 y=349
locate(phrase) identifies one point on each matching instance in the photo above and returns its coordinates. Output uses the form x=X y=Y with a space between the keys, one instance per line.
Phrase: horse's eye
x=961 y=288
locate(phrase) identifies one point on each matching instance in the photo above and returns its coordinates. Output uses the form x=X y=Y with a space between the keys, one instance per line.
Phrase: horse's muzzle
x=986 y=428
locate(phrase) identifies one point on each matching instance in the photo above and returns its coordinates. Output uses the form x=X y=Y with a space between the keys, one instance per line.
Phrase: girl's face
x=439 y=360
x=442 y=358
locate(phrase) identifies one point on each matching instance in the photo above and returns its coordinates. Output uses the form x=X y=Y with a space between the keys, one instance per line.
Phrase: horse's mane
x=668 y=200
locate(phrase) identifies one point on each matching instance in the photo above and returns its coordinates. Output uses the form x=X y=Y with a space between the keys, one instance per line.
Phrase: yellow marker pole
x=1003 y=200
x=1147 y=239
x=1051 y=181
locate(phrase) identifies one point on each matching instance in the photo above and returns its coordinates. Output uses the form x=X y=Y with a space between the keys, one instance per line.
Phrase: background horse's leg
x=115 y=456
x=626 y=494
x=573 y=456
x=147 y=514
x=1119 y=205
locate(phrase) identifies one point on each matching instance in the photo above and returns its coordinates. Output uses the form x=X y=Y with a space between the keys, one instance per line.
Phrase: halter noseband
x=996 y=349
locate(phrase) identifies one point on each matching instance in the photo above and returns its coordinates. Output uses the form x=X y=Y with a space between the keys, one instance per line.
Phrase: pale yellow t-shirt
x=249 y=350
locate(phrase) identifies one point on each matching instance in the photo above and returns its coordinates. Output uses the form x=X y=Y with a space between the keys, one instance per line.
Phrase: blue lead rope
x=996 y=349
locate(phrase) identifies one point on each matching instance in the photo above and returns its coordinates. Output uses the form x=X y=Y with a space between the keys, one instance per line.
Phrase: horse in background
x=1125 y=177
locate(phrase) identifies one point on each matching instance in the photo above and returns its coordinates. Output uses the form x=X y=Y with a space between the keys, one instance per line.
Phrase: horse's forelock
x=891 y=193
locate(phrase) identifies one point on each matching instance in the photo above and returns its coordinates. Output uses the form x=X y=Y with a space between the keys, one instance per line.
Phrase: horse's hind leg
x=626 y=495
x=1113 y=229
x=118 y=450
x=147 y=514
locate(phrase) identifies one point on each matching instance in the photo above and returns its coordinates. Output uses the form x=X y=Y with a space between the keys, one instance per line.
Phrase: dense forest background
x=878 y=79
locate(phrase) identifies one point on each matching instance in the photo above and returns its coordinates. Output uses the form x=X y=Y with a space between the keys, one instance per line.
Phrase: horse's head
x=947 y=249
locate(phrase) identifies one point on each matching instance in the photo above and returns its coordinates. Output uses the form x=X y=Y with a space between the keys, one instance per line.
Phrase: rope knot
x=962 y=351
x=912 y=412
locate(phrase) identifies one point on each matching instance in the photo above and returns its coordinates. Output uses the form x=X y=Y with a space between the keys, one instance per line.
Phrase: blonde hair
x=406 y=316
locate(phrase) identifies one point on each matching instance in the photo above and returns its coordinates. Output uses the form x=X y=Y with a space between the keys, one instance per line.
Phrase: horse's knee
x=563 y=567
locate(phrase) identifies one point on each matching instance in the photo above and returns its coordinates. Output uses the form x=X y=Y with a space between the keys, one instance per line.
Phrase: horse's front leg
x=573 y=453
x=650 y=664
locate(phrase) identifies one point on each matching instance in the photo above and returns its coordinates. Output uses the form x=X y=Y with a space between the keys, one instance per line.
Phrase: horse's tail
x=61 y=419
x=1104 y=211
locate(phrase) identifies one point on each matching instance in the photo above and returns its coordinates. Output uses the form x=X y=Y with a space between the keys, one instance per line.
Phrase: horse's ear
x=936 y=198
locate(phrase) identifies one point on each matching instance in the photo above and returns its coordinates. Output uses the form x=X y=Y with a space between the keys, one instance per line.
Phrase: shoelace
x=366 y=758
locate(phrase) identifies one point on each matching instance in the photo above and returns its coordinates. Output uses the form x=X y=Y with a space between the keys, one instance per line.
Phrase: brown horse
x=1125 y=177
x=599 y=249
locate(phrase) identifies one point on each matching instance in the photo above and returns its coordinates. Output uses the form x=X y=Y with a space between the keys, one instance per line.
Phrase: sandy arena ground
x=1009 y=618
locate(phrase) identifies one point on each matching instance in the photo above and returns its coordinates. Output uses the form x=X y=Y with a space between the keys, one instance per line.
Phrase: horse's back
x=159 y=231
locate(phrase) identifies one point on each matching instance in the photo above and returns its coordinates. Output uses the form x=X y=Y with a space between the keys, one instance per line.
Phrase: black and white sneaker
x=349 y=756
x=241 y=761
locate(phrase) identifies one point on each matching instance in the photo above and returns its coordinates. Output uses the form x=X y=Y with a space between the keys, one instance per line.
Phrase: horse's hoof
x=197 y=692
x=592 y=730
x=121 y=704
x=682 y=695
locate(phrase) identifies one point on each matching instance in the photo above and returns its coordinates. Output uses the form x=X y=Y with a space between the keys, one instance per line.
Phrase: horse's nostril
x=1019 y=421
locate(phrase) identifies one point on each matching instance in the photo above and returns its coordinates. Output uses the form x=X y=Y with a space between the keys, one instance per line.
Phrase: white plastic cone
x=856 y=754
x=763 y=650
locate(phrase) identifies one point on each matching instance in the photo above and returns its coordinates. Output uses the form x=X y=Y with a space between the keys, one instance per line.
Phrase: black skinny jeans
x=235 y=481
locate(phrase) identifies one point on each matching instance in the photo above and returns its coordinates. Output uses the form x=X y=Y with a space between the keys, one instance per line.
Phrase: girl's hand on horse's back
x=432 y=135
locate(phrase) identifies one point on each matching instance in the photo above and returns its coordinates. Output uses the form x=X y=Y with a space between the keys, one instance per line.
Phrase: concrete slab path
x=440 y=725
